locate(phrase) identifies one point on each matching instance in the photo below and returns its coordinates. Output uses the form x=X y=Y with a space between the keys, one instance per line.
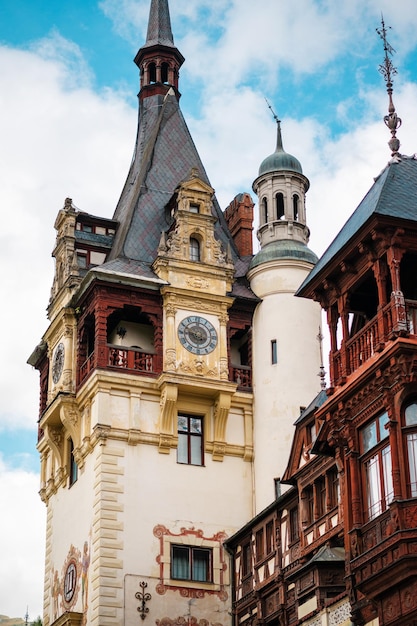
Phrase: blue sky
x=68 y=115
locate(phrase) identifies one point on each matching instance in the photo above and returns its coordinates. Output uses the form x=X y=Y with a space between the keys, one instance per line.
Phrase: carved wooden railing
x=369 y=340
x=386 y=540
x=242 y=375
x=129 y=359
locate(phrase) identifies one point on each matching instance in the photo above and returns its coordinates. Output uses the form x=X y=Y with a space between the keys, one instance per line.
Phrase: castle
x=172 y=375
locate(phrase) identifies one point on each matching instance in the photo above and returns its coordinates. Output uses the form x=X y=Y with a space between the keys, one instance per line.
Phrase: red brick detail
x=239 y=218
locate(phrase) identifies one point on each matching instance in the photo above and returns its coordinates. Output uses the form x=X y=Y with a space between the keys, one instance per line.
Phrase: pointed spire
x=159 y=25
x=280 y=147
x=387 y=69
x=158 y=59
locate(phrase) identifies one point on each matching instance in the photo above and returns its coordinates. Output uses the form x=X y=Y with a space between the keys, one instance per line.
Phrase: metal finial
x=322 y=372
x=279 y=147
x=388 y=71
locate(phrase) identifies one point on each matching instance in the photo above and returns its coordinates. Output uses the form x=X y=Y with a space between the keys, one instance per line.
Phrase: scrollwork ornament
x=143 y=597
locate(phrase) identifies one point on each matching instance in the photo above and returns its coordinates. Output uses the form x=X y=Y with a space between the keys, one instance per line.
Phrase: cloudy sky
x=68 y=114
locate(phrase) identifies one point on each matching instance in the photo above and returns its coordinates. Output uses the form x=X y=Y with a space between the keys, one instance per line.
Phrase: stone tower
x=286 y=354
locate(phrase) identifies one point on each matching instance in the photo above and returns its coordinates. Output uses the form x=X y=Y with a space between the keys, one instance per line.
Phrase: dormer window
x=194 y=208
x=194 y=249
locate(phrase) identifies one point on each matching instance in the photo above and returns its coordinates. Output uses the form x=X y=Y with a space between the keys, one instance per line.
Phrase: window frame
x=190 y=437
x=192 y=552
x=274 y=352
x=73 y=467
x=409 y=431
x=194 y=250
x=376 y=467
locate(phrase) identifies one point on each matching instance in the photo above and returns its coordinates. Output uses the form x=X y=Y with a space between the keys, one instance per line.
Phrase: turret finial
x=387 y=69
x=280 y=147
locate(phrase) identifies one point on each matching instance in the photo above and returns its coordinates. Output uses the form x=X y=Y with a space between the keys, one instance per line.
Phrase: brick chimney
x=239 y=218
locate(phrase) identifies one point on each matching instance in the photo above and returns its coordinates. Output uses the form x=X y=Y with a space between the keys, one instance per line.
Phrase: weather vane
x=278 y=121
x=387 y=69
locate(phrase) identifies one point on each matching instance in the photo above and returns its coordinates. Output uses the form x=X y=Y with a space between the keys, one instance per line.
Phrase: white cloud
x=58 y=139
x=22 y=543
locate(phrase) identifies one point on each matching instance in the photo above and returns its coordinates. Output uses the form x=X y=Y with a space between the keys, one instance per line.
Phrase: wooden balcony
x=120 y=358
x=370 y=340
x=384 y=549
x=242 y=375
x=134 y=361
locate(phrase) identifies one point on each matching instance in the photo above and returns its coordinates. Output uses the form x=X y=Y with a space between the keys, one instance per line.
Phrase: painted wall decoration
x=192 y=536
x=65 y=589
x=185 y=621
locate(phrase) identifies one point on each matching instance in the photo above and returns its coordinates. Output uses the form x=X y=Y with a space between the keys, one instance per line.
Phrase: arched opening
x=279 y=199
x=265 y=210
x=152 y=73
x=164 y=72
x=194 y=249
x=295 y=205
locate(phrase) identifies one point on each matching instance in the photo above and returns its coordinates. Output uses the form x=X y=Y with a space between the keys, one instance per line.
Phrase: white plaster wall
x=71 y=511
x=280 y=389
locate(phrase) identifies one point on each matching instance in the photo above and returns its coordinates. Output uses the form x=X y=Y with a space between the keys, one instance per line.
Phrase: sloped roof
x=394 y=194
x=165 y=156
x=159 y=25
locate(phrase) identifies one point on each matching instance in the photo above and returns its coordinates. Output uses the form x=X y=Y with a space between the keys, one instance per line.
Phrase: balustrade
x=363 y=346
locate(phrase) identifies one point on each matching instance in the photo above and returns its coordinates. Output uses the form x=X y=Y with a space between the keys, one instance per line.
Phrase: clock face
x=58 y=363
x=70 y=581
x=197 y=335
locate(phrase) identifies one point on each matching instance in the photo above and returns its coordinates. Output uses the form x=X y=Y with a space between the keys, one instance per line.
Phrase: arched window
x=265 y=210
x=164 y=72
x=194 y=249
x=152 y=73
x=410 y=431
x=295 y=202
x=279 y=199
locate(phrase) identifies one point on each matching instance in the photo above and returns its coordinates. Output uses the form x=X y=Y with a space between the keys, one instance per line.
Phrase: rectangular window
x=269 y=537
x=259 y=544
x=73 y=469
x=334 y=488
x=274 y=354
x=246 y=560
x=190 y=440
x=377 y=465
x=294 y=525
x=321 y=497
x=412 y=462
x=191 y=563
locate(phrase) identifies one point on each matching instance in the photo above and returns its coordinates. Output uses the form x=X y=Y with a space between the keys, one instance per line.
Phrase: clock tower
x=145 y=430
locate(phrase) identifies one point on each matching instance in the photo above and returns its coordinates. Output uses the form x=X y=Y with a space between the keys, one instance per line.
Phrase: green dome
x=284 y=249
x=280 y=160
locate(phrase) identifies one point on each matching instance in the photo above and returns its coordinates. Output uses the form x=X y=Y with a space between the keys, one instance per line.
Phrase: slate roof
x=159 y=25
x=165 y=156
x=394 y=194
x=314 y=404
